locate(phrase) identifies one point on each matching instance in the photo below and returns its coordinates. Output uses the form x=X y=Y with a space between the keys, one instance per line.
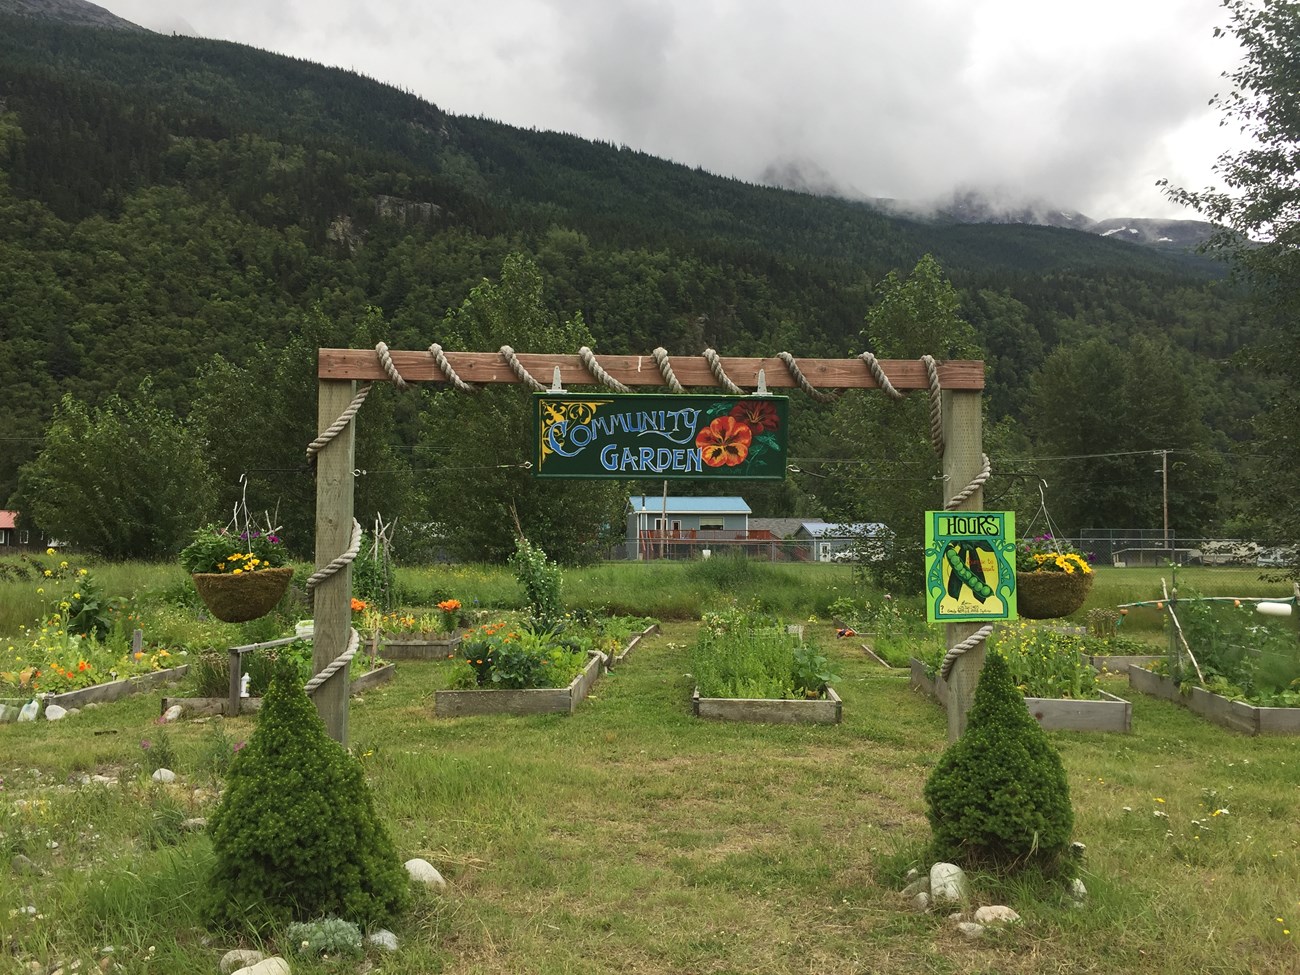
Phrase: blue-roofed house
x=837 y=541
x=681 y=526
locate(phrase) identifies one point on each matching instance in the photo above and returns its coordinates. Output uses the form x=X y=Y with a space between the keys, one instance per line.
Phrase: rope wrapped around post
x=337 y=664
x=325 y=571
x=660 y=356
x=936 y=404
x=517 y=367
x=804 y=382
x=970 y=643
x=440 y=359
x=720 y=374
x=596 y=369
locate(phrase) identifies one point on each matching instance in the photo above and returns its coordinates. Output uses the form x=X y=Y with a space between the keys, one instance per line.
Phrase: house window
x=711 y=524
x=4 y=536
x=22 y=538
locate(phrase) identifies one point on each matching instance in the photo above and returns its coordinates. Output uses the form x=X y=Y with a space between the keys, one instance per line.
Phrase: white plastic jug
x=30 y=710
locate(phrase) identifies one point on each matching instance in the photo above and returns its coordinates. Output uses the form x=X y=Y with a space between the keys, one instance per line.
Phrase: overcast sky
x=1083 y=105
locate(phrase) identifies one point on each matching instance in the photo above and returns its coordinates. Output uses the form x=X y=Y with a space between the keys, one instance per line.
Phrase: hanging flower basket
x=243 y=597
x=1051 y=595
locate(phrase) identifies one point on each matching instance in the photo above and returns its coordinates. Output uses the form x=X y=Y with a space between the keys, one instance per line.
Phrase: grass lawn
x=633 y=838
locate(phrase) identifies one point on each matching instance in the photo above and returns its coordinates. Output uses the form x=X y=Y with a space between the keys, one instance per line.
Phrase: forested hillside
x=202 y=215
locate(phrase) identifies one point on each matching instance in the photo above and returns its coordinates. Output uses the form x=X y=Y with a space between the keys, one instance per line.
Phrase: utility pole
x=1164 y=490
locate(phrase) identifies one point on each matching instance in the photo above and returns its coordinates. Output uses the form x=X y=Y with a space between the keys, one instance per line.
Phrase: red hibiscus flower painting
x=724 y=442
x=756 y=414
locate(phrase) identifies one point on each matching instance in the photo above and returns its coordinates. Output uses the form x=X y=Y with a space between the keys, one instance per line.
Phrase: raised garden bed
x=632 y=644
x=1237 y=715
x=1117 y=664
x=822 y=710
x=540 y=700
x=112 y=691
x=201 y=706
x=1110 y=713
x=419 y=646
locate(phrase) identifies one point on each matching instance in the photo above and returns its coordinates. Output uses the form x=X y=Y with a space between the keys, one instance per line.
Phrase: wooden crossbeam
x=640 y=370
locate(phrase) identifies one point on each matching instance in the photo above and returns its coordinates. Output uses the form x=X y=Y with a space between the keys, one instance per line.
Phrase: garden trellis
x=345 y=377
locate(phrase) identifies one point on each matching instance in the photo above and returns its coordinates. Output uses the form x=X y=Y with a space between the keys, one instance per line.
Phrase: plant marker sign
x=683 y=437
x=970 y=573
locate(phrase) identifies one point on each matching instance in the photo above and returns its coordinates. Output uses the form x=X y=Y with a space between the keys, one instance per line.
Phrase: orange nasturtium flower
x=757 y=414
x=725 y=441
x=358 y=605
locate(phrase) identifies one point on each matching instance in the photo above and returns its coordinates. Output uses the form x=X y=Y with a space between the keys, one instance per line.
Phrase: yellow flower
x=237 y=572
x=49 y=551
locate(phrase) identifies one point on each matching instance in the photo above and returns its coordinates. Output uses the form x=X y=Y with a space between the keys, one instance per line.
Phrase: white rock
x=947 y=882
x=274 y=965
x=425 y=872
x=239 y=958
x=384 y=939
x=103 y=780
x=912 y=874
x=996 y=914
x=921 y=901
x=164 y=775
x=969 y=930
x=173 y=713
x=917 y=886
x=1077 y=890
x=55 y=712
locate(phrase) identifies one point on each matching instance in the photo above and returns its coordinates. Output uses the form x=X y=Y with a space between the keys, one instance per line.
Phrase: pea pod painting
x=966 y=568
x=969 y=575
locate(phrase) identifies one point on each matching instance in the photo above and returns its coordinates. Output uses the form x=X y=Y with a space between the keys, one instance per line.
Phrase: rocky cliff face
x=77 y=12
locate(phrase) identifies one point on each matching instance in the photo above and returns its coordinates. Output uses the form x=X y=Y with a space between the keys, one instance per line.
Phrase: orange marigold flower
x=724 y=442
x=358 y=604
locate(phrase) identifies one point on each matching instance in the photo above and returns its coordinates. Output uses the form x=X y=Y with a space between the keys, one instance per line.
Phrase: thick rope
x=339 y=425
x=660 y=356
x=596 y=369
x=517 y=367
x=878 y=374
x=936 y=404
x=386 y=360
x=337 y=664
x=440 y=358
x=970 y=643
x=316 y=578
x=720 y=374
x=325 y=571
x=803 y=381
x=976 y=483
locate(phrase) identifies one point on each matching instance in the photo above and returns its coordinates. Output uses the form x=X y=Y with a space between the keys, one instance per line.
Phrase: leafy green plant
x=215 y=549
x=742 y=653
x=158 y=752
x=998 y=796
x=498 y=655
x=296 y=835
x=1045 y=662
x=328 y=937
x=1241 y=654
x=541 y=579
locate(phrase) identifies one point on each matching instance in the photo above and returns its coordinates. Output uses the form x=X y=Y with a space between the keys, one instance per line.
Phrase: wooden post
x=963 y=459
x=332 y=606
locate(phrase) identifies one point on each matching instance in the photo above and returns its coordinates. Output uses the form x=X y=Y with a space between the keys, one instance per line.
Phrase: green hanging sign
x=970 y=571
x=632 y=435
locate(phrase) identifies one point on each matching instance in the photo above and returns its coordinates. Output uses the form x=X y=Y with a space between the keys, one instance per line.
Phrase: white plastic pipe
x=1273 y=609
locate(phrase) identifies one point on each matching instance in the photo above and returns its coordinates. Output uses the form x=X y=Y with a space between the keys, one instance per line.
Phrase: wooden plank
x=541 y=700
x=641 y=370
x=828 y=710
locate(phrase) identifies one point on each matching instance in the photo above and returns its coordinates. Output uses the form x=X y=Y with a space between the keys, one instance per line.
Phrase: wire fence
x=1155 y=546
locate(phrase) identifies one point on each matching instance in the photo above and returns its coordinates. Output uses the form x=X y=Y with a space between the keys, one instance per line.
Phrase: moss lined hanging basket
x=1051 y=595
x=243 y=597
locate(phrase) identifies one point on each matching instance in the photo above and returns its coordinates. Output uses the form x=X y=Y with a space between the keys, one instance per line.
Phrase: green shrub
x=998 y=797
x=296 y=835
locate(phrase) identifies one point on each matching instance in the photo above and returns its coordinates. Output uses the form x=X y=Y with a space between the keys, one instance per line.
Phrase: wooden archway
x=340 y=370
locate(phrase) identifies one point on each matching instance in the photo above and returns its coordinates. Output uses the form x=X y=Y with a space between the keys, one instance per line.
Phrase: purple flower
x=273 y=539
x=239 y=746
x=146 y=744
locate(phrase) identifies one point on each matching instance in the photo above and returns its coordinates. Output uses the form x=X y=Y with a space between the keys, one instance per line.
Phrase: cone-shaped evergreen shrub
x=998 y=797
x=296 y=835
